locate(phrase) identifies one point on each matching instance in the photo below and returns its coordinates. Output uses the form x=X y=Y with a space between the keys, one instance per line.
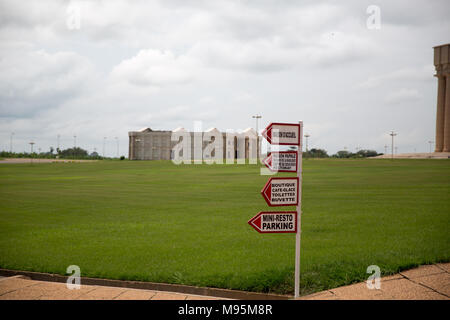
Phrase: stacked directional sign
x=275 y=222
x=283 y=191
x=284 y=161
x=280 y=191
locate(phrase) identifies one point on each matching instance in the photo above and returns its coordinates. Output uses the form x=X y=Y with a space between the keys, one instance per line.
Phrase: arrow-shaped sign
x=281 y=192
x=275 y=222
x=282 y=161
x=282 y=133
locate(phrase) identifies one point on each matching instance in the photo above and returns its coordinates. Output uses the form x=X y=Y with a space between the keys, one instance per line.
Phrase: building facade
x=148 y=144
x=442 y=65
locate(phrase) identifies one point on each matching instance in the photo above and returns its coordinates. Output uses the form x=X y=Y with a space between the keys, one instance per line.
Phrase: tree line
x=342 y=154
x=70 y=153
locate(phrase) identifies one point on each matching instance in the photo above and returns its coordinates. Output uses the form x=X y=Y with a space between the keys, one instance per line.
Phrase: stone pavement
x=22 y=288
x=430 y=282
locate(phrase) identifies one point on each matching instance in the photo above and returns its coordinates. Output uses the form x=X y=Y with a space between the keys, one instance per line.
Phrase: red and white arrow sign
x=275 y=222
x=283 y=133
x=281 y=192
x=282 y=161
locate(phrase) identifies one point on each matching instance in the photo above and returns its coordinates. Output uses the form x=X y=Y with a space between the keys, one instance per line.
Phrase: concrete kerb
x=201 y=291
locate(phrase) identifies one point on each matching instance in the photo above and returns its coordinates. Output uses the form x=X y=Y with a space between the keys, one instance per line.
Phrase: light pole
x=31 y=154
x=57 y=143
x=74 y=141
x=117 y=141
x=257 y=117
x=385 y=148
x=104 y=141
x=431 y=143
x=31 y=144
x=392 y=134
x=306 y=141
x=11 y=143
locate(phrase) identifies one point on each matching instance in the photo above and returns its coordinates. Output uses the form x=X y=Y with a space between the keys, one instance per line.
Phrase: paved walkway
x=22 y=288
x=430 y=282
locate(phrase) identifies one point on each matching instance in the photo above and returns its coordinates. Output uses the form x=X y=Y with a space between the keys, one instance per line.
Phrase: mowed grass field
x=187 y=224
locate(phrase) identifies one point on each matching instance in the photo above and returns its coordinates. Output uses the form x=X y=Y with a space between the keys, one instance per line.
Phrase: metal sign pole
x=299 y=213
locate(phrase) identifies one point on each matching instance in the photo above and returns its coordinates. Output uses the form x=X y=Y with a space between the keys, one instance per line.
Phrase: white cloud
x=155 y=68
x=400 y=76
x=32 y=80
x=403 y=95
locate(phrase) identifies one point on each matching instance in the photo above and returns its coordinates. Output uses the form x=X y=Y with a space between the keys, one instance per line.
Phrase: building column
x=447 y=114
x=440 y=120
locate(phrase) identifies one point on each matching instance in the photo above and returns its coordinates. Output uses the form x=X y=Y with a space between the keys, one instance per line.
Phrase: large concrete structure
x=442 y=64
x=148 y=144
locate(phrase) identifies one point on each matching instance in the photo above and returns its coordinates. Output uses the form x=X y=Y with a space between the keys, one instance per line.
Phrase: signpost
x=282 y=161
x=283 y=191
x=283 y=134
x=275 y=222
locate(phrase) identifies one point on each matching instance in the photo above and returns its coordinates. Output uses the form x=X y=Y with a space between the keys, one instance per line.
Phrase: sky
x=96 y=70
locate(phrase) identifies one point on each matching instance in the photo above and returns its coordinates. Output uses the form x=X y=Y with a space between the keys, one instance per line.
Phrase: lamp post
x=306 y=141
x=117 y=141
x=31 y=154
x=431 y=143
x=11 y=143
x=257 y=117
x=392 y=134
x=31 y=144
x=104 y=141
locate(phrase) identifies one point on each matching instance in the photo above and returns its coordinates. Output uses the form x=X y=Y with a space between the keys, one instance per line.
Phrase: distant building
x=148 y=144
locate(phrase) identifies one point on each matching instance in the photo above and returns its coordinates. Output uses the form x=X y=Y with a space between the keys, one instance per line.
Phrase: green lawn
x=155 y=221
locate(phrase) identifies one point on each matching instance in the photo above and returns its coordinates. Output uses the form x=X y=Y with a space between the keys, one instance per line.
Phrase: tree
x=342 y=154
x=317 y=153
x=367 y=153
x=75 y=152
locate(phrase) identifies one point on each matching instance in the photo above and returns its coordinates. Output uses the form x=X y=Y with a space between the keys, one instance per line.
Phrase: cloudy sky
x=99 y=69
